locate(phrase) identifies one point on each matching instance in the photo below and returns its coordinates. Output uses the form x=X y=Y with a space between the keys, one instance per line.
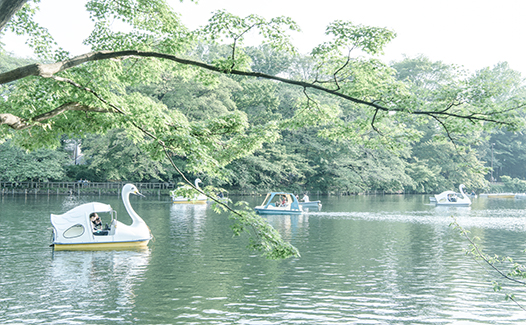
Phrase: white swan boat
x=74 y=230
x=197 y=198
x=452 y=198
x=279 y=203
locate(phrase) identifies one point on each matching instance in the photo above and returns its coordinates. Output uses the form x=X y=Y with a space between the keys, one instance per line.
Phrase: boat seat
x=101 y=233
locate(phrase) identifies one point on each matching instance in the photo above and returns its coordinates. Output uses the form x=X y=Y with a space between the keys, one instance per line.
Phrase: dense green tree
x=505 y=152
x=274 y=167
x=9 y=62
x=114 y=157
x=446 y=160
x=41 y=165
x=268 y=60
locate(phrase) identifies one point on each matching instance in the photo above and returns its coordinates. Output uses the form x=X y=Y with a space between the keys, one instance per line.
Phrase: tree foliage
x=41 y=165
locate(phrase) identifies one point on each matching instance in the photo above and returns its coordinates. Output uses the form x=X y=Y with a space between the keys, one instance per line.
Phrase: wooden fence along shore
x=79 y=187
x=89 y=188
x=114 y=188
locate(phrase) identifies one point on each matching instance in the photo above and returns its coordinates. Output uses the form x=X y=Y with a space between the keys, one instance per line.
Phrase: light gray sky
x=471 y=33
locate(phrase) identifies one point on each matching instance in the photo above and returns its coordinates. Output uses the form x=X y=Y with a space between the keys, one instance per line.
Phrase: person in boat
x=305 y=198
x=95 y=221
x=283 y=200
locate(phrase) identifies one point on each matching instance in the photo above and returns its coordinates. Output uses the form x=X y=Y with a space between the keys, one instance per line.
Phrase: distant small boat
x=311 y=204
x=81 y=228
x=452 y=198
x=279 y=203
x=307 y=203
x=197 y=198
x=499 y=195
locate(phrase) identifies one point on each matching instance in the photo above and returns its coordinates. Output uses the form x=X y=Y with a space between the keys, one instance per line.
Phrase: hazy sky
x=471 y=33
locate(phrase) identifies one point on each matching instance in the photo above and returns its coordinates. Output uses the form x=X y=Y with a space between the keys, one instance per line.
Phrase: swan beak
x=138 y=193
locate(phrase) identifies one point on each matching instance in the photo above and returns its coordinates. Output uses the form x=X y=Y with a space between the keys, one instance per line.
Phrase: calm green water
x=365 y=260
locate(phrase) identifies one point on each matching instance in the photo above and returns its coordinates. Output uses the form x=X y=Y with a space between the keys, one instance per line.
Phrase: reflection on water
x=188 y=217
x=289 y=226
x=194 y=213
x=365 y=260
x=85 y=279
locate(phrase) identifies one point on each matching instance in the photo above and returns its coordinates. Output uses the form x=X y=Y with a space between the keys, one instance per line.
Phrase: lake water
x=364 y=260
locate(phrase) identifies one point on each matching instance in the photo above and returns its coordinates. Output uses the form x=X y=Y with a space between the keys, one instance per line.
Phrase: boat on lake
x=305 y=202
x=196 y=198
x=311 y=204
x=452 y=198
x=279 y=203
x=81 y=228
x=499 y=195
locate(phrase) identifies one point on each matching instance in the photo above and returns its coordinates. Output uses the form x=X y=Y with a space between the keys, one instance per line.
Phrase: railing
x=76 y=187
x=84 y=184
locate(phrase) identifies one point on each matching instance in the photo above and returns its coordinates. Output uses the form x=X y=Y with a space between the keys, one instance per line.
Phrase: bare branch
x=73 y=83
x=340 y=69
x=372 y=122
x=18 y=123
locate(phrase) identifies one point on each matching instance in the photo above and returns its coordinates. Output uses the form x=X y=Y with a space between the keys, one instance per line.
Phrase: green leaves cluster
x=38 y=37
x=141 y=24
x=17 y=165
x=263 y=237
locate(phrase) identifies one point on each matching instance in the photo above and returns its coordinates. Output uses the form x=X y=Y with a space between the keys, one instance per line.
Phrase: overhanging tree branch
x=49 y=70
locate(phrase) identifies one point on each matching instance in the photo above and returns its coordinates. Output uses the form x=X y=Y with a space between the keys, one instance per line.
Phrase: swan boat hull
x=102 y=246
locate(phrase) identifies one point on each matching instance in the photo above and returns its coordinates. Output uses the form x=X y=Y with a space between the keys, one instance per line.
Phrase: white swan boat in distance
x=74 y=230
x=452 y=198
x=198 y=198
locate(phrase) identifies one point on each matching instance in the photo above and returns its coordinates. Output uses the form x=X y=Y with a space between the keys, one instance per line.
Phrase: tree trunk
x=7 y=9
